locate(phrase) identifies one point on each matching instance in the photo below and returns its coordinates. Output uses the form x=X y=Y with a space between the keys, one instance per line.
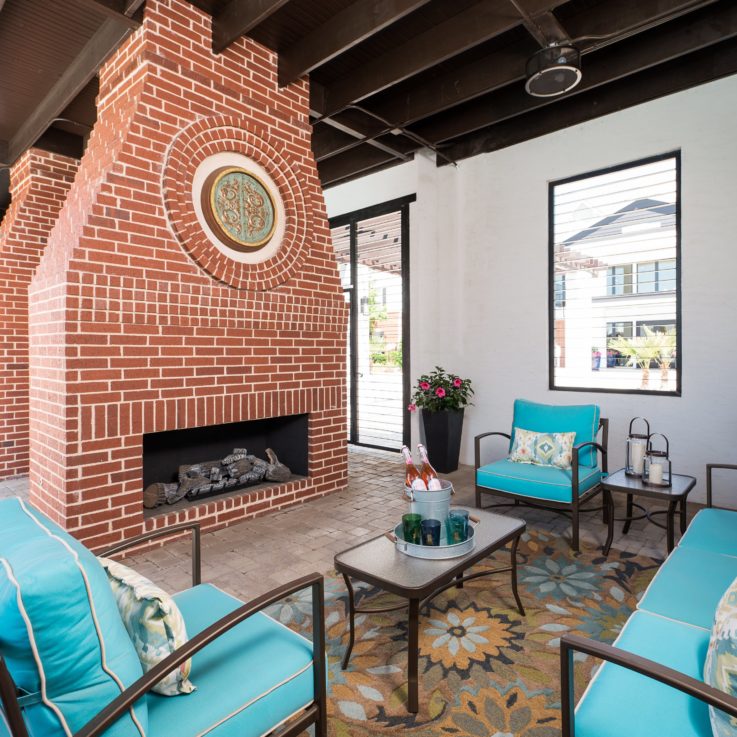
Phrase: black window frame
x=677 y=392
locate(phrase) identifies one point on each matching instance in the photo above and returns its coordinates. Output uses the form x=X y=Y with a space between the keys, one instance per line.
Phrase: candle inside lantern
x=637 y=455
x=656 y=473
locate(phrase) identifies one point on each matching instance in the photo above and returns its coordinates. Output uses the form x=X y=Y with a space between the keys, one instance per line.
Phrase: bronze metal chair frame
x=670 y=677
x=314 y=714
x=573 y=508
x=709 y=468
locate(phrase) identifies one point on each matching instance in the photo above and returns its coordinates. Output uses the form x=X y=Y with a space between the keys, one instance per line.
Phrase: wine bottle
x=427 y=472
x=412 y=479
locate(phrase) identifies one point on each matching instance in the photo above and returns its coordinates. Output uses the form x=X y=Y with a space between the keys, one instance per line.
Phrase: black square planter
x=443 y=438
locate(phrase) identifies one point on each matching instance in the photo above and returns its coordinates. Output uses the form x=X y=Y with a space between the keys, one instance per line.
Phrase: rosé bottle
x=427 y=472
x=412 y=479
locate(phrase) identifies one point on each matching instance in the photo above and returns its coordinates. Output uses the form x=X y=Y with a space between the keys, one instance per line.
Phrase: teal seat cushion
x=583 y=419
x=547 y=483
x=689 y=586
x=714 y=530
x=60 y=630
x=248 y=681
x=619 y=702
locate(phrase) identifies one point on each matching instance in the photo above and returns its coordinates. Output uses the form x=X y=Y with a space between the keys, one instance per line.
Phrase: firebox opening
x=165 y=452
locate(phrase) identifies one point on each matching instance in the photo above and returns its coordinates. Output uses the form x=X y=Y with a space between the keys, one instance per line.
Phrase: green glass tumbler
x=457 y=526
x=412 y=528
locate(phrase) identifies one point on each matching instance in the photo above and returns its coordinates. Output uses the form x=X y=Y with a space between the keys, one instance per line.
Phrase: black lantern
x=637 y=444
x=657 y=471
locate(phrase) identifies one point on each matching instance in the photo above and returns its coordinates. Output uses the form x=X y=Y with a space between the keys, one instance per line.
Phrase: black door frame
x=351 y=219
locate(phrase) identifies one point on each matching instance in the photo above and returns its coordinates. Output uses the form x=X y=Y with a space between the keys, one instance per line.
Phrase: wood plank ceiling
x=388 y=77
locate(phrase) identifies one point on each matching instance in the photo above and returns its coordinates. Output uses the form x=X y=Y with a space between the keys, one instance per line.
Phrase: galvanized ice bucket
x=431 y=504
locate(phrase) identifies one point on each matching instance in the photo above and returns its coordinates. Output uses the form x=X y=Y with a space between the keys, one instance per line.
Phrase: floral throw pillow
x=154 y=624
x=720 y=669
x=543 y=448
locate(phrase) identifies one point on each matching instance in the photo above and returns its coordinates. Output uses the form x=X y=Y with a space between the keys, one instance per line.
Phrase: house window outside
x=615 y=291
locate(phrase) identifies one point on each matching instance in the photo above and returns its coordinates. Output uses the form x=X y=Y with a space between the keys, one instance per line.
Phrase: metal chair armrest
x=477 y=445
x=135 y=691
x=165 y=532
x=644 y=666
x=574 y=466
x=709 y=468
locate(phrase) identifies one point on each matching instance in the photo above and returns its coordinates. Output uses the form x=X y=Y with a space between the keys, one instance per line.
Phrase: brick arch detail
x=225 y=133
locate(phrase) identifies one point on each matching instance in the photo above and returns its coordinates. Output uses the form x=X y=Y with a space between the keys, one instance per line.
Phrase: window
x=615 y=286
x=619 y=280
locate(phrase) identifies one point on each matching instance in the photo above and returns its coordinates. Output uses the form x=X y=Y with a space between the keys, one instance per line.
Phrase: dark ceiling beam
x=506 y=66
x=61 y=142
x=683 y=36
x=361 y=160
x=74 y=78
x=361 y=128
x=480 y=22
x=238 y=17
x=543 y=27
x=616 y=19
x=343 y=31
x=114 y=9
x=688 y=71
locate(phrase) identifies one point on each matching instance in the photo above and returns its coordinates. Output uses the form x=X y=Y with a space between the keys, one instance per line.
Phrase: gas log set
x=214 y=477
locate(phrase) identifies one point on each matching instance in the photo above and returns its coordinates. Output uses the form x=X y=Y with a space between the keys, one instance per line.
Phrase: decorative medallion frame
x=284 y=255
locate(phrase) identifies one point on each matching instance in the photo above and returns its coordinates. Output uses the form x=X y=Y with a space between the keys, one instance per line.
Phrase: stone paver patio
x=254 y=556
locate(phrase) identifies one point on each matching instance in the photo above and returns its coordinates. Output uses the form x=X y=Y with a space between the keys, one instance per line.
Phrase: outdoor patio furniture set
x=69 y=664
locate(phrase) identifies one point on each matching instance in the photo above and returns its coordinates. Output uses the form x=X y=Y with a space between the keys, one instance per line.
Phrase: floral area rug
x=485 y=670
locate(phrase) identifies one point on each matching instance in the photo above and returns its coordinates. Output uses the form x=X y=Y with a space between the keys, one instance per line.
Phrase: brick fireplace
x=141 y=322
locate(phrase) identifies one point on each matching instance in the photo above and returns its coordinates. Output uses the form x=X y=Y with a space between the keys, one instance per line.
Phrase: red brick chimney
x=39 y=182
x=142 y=321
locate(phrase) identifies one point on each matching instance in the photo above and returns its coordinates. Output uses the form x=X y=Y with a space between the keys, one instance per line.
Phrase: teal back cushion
x=583 y=419
x=60 y=631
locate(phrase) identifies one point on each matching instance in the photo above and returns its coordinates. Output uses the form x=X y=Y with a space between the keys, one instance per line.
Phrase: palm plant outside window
x=615 y=245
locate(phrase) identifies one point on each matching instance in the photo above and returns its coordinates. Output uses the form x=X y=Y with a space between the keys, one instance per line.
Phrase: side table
x=674 y=495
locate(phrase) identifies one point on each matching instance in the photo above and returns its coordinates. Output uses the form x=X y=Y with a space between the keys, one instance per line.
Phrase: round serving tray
x=434 y=552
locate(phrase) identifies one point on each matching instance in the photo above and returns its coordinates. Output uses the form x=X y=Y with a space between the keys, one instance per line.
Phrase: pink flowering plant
x=440 y=390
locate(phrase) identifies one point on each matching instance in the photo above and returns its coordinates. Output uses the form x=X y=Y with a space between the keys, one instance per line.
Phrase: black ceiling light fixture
x=553 y=70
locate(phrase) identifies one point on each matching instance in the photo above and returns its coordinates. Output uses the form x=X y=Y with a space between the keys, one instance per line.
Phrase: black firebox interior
x=164 y=452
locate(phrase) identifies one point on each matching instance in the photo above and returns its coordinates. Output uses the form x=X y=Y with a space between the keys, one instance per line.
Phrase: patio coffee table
x=379 y=563
x=674 y=495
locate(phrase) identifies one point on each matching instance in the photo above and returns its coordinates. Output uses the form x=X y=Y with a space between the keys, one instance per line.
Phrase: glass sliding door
x=371 y=247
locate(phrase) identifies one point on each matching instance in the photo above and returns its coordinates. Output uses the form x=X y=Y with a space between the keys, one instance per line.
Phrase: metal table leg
x=514 y=576
x=413 y=655
x=351 y=621
x=628 y=514
x=683 y=515
x=609 y=505
x=671 y=524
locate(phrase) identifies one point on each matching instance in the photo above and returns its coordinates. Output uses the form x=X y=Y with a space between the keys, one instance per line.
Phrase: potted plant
x=442 y=398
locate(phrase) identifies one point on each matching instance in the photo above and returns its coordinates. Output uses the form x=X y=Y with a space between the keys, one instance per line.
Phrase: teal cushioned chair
x=67 y=666
x=557 y=489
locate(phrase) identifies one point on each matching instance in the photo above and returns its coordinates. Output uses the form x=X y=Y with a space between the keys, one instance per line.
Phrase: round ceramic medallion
x=238 y=208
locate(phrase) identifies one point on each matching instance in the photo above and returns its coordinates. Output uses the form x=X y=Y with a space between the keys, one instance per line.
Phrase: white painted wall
x=479 y=265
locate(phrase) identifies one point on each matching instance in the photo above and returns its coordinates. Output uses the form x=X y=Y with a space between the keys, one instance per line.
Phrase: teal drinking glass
x=457 y=526
x=430 y=531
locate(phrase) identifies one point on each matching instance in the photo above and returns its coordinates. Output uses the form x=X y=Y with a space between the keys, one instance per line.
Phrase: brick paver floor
x=256 y=555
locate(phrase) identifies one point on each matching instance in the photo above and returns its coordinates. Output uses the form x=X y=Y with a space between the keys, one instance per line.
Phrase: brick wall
x=138 y=326
x=39 y=183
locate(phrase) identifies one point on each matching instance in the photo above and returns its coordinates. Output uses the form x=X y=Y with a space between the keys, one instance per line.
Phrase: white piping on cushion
x=275 y=621
x=95 y=621
x=34 y=648
x=621 y=632
x=254 y=700
x=5 y=721
x=706 y=550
